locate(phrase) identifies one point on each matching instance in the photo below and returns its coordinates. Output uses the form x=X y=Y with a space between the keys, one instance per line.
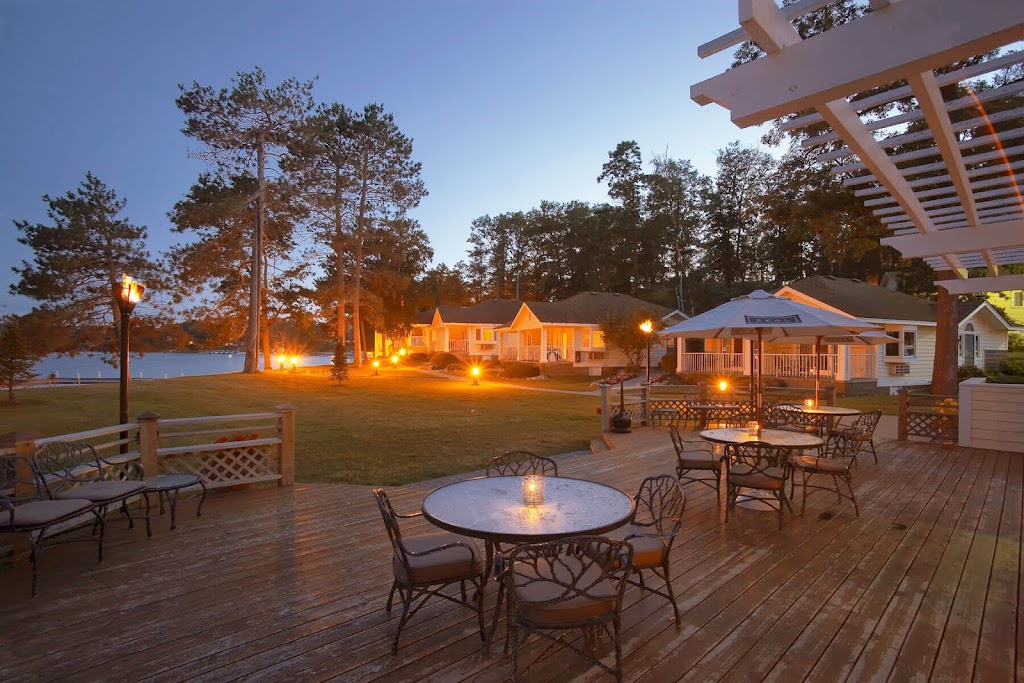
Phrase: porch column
x=748 y=357
x=843 y=362
x=542 y=352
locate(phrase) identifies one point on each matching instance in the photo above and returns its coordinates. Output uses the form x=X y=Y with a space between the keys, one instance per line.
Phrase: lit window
x=597 y=339
x=1018 y=299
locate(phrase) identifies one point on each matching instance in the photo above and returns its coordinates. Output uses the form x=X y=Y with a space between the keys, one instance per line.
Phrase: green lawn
x=868 y=403
x=401 y=427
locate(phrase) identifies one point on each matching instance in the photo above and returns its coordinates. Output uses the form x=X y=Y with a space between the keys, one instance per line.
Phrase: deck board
x=290 y=584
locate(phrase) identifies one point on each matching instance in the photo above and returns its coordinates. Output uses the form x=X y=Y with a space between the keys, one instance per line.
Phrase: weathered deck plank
x=290 y=584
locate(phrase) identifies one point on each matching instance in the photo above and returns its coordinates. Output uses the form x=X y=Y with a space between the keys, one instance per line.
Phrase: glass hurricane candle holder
x=754 y=428
x=809 y=403
x=533 y=489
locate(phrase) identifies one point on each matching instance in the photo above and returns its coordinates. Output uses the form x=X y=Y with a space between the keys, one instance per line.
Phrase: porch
x=835 y=366
x=290 y=583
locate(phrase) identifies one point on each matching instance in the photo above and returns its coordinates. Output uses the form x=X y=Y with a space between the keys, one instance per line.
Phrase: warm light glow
x=295 y=361
x=646 y=327
x=723 y=385
x=533 y=489
x=401 y=352
x=376 y=363
x=809 y=403
x=394 y=359
x=282 y=359
x=130 y=293
x=753 y=428
x=476 y=371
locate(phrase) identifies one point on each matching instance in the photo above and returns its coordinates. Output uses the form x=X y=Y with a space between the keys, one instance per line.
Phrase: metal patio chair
x=26 y=509
x=512 y=463
x=840 y=458
x=425 y=564
x=694 y=458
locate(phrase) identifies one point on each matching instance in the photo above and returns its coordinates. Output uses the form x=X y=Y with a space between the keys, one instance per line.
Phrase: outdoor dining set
x=563 y=551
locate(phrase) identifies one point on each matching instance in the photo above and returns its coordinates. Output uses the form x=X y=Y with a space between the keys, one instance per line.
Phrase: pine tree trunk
x=944 y=369
x=252 y=332
x=357 y=273
x=339 y=254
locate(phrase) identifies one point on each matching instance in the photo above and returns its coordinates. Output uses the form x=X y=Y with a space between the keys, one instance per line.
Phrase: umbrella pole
x=758 y=403
x=817 y=368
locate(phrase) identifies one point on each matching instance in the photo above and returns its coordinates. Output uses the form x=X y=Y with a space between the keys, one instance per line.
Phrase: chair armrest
x=409 y=515
x=446 y=546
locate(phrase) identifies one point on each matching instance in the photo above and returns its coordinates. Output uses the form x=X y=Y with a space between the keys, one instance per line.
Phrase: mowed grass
x=401 y=427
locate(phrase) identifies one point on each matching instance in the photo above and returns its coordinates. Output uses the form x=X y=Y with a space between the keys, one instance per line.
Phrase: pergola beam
x=1001 y=235
x=982 y=285
x=875 y=50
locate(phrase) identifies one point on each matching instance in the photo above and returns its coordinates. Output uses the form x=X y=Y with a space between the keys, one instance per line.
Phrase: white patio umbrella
x=762 y=316
x=870 y=337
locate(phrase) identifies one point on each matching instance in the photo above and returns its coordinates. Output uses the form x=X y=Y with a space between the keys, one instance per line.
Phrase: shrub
x=417 y=358
x=441 y=360
x=1012 y=366
x=339 y=366
x=458 y=367
x=968 y=371
x=520 y=371
x=668 y=362
x=1015 y=343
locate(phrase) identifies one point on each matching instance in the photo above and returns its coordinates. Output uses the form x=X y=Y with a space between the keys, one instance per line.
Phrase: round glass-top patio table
x=826 y=414
x=492 y=509
x=778 y=438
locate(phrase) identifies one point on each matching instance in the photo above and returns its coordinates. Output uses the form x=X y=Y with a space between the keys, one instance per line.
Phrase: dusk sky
x=508 y=103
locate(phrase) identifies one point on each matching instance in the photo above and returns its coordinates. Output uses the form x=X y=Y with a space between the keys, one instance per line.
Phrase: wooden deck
x=290 y=584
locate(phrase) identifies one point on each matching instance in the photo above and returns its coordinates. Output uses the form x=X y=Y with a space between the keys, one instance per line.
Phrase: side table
x=168 y=485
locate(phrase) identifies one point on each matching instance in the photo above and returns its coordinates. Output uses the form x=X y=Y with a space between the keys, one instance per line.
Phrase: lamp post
x=647 y=327
x=128 y=293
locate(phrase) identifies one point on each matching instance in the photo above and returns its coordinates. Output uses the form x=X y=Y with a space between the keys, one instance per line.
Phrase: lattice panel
x=635 y=411
x=937 y=427
x=232 y=464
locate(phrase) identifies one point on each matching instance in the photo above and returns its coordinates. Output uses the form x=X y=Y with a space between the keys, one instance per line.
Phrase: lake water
x=156 y=365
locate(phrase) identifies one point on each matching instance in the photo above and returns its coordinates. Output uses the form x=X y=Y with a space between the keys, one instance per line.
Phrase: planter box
x=992 y=415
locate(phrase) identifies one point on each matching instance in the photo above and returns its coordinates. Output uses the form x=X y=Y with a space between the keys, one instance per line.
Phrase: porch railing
x=796 y=364
x=717 y=363
x=458 y=345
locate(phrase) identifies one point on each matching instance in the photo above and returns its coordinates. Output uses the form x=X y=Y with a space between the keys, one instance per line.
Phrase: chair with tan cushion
x=660 y=503
x=757 y=465
x=512 y=463
x=572 y=583
x=694 y=459
x=25 y=509
x=841 y=455
x=74 y=470
x=425 y=564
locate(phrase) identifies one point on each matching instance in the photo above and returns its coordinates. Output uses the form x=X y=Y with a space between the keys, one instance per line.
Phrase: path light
x=394 y=361
x=723 y=385
x=647 y=327
x=401 y=352
x=281 y=360
x=128 y=294
x=476 y=375
x=376 y=368
x=295 y=363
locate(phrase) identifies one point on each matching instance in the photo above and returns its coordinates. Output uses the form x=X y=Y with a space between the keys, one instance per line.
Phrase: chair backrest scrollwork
x=512 y=463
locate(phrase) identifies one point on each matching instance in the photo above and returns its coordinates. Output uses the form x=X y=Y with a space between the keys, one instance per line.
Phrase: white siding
x=920 y=367
x=992 y=415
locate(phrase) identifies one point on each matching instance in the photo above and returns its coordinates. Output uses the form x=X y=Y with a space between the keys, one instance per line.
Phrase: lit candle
x=809 y=403
x=533 y=489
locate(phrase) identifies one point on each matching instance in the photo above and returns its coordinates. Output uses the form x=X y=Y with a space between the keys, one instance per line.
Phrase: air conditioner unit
x=899 y=369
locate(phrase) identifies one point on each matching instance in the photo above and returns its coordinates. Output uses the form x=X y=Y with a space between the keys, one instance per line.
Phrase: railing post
x=606 y=412
x=286 y=414
x=702 y=392
x=149 y=441
x=903 y=406
x=24 y=445
x=830 y=396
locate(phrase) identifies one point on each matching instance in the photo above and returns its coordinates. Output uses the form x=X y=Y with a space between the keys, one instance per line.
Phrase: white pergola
x=953 y=201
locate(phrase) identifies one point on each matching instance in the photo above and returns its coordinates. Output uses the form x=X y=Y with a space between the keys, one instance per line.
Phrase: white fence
x=720 y=363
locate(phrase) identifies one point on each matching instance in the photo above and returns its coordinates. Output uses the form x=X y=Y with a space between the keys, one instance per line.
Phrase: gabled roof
x=592 y=308
x=493 y=311
x=966 y=309
x=871 y=302
x=862 y=300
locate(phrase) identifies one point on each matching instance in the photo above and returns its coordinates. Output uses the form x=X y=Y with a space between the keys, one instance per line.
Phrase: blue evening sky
x=508 y=102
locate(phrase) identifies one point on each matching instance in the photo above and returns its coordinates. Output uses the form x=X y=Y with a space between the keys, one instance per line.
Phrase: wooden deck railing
x=224 y=450
x=933 y=417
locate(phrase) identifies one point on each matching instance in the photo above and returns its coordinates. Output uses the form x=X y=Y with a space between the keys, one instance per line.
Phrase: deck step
x=600 y=445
